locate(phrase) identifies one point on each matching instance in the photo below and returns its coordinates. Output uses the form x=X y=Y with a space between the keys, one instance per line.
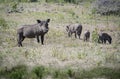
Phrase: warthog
x=74 y=28
x=86 y=35
x=103 y=37
x=33 y=31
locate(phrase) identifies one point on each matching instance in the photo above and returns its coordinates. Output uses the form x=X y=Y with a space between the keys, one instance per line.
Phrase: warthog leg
x=37 y=38
x=69 y=34
x=79 y=35
x=20 y=39
x=75 y=35
x=104 y=41
x=42 y=39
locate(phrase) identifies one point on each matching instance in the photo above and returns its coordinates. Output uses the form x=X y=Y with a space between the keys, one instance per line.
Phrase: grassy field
x=61 y=57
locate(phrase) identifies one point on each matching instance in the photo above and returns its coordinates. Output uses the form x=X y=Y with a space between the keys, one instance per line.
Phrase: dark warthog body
x=33 y=31
x=87 y=36
x=74 y=28
x=103 y=37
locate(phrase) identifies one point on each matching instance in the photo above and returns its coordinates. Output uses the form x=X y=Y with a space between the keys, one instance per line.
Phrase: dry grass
x=59 y=50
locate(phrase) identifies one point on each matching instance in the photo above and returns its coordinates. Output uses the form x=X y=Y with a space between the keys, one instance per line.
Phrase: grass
x=15 y=72
x=99 y=73
x=81 y=55
x=21 y=72
x=39 y=71
x=69 y=57
x=3 y=23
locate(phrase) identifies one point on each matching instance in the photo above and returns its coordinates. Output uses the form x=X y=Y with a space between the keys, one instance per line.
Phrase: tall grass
x=17 y=72
x=40 y=72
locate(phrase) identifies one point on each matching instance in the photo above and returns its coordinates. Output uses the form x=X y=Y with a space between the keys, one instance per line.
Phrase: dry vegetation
x=59 y=51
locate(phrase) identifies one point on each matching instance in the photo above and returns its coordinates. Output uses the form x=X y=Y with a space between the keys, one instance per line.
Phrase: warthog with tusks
x=74 y=28
x=33 y=31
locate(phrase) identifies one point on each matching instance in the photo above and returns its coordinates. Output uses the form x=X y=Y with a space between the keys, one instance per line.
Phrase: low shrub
x=59 y=74
x=70 y=73
x=3 y=23
x=106 y=7
x=14 y=7
x=17 y=72
x=39 y=71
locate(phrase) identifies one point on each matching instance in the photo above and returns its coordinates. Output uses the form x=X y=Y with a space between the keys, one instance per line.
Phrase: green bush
x=70 y=72
x=13 y=7
x=18 y=72
x=60 y=74
x=39 y=71
x=21 y=72
x=99 y=72
x=56 y=73
x=3 y=23
x=2 y=72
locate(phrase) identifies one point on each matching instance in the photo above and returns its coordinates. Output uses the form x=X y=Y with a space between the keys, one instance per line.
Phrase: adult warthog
x=33 y=31
x=74 y=28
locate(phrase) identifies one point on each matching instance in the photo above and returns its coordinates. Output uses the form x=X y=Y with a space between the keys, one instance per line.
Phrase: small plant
x=99 y=63
x=82 y=55
x=3 y=23
x=14 y=7
x=59 y=54
x=95 y=36
x=56 y=73
x=60 y=74
x=99 y=72
x=2 y=72
x=55 y=52
x=70 y=73
x=39 y=71
x=17 y=72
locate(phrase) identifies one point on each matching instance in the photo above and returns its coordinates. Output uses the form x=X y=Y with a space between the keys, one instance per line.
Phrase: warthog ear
x=48 y=20
x=38 y=21
x=67 y=27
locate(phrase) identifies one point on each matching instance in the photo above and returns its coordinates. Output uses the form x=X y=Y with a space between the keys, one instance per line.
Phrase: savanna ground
x=60 y=54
